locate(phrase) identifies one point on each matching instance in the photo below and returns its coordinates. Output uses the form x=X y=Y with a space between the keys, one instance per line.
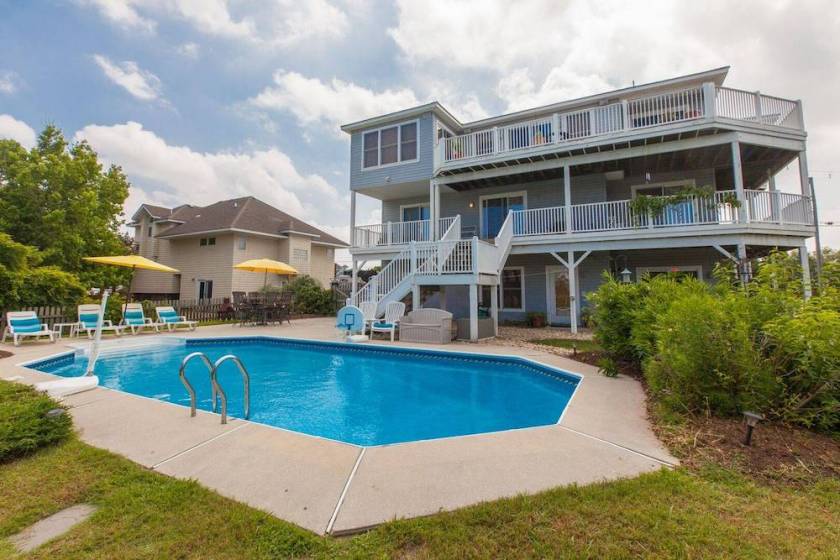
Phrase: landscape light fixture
x=752 y=419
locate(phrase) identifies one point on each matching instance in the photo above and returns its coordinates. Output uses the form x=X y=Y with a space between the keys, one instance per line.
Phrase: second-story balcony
x=619 y=218
x=619 y=118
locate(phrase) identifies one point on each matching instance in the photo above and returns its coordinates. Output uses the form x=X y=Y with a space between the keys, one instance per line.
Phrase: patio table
x=58 y=329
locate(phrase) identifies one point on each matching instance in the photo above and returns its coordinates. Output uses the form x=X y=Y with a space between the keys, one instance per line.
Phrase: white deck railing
x=626 y=115
x=397 y=233
x=759 y=206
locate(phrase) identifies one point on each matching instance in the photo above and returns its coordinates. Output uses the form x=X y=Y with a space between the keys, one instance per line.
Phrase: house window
x=513 y=288
x=211 y=240
x=300 y=256
x=678 y=271
x=242 y=243
x=150 y=231
x=415 y=212
x=389 y=145
x=202 y=242
x=205 y=289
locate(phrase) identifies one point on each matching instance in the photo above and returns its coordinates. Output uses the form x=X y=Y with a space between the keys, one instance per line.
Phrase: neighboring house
x=524 y=212
x=204 y=243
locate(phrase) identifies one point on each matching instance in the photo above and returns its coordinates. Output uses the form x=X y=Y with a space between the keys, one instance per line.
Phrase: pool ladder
x=218 y=392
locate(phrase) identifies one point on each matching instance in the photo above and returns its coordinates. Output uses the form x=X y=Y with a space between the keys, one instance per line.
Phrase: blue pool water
x=366 y=395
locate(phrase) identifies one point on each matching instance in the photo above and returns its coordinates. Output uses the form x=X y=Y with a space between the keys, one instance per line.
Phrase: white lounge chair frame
x=173 y=325
x=393 y=313
x=369 y=313
x=136 y=328
x=16 y=336
x=107 y=324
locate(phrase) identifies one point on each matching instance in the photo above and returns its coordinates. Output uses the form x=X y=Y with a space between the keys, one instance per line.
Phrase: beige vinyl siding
x=147 y=282
x=323 y=264
x=211 y=262
x=297 y=244
x=256 y=247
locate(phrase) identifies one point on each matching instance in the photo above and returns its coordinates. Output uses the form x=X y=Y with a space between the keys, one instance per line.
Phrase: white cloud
x=189 y=50
x=281 y=23
x=140 y=83
x=9 y=82
x=331 y=103
x=13 y=129
x=520 y=92
x=172 y=175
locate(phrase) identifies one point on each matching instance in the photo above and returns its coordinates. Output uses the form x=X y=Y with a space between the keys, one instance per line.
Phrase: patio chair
x=427 y=325
x=20 y=324
x=369 y=313
x=88 y=314
x=393 y=314
x=135 y=319
x=281 y=310
x=168 y=317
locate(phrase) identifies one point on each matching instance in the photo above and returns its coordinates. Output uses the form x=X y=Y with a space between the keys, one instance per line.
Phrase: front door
x=415 y=231
x=557 y=292
x=205 y=289
x=494 y=210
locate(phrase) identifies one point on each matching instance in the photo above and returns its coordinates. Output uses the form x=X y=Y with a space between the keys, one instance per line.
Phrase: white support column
x=432 y=210
x=573 y=311
x=354 y=280
x=774 y=196
x=434 y=224
x=744 y=266
x=443 y=297
x=567 y=197
x=473 y=311
x=415 y=296
x=352 y=218
x=806 y=271
x=494 y=308
x=709 y=92
x=804 y=187
x=738 y=177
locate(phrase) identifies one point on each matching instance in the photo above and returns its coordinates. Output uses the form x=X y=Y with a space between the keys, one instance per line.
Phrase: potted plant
x=536 y=319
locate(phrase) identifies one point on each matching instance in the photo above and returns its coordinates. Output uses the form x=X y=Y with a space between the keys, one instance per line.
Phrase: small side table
x=58 y=329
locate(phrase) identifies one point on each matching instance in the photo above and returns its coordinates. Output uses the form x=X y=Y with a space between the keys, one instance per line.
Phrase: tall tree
x=58 y=198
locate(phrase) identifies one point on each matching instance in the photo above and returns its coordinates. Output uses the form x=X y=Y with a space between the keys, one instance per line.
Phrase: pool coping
x=367 y=485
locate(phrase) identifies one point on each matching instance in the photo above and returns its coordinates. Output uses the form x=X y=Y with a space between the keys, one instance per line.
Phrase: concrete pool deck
x=336 y=488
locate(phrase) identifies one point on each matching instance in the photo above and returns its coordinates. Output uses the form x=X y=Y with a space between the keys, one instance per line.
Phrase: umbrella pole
x=128 y=295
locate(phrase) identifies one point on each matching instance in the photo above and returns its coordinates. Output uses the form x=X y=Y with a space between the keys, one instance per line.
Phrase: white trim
x=642 y=270
x=378 y=132
x=415 y=205
x=687 y=182
x=521 y=270
x=198 y=282
x=481 y=199
x=223 y=230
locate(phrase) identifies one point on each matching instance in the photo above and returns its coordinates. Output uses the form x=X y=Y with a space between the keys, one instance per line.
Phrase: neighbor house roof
x=246 y=214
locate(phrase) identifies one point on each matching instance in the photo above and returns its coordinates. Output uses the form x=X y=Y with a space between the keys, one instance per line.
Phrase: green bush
x=309 y=297
x=705 y=359
x=805 y=351
x=24 y=424
x=612 y=305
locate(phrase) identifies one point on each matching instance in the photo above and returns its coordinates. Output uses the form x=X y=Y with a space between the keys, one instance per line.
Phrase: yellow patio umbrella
x=265 y=266
x=133 y=262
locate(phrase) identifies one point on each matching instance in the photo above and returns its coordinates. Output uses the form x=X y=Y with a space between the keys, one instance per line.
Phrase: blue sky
x=206 y=100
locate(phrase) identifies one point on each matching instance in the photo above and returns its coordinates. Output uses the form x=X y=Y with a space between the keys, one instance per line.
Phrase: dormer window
x=389 y=145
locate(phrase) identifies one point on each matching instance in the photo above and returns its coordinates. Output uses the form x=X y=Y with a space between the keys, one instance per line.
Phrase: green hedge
x=727 y=348
x=25 y=425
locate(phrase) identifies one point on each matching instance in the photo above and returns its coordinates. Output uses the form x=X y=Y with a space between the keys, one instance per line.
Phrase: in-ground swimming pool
x=366 y=395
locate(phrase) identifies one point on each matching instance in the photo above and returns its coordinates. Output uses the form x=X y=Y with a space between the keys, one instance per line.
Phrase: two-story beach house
x=204 y=242
x=524 y=212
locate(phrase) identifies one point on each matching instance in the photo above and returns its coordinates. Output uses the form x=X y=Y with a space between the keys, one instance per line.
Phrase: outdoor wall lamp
x=625 y=276
x=472 y=204
x=752 y=419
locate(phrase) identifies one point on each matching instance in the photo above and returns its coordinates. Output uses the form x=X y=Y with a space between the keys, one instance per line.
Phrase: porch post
x=415 y=296
x=442 y=297
x=804 y=187
x=738 y=176
x=774 y=196
x=355 y=280
x=434 y=224
x=473 y=311
x=567 y=197
x=806 y=271
x=352 y=218
x=433 y=210
x=494 y=308
x=573 y=311
x=744 y=267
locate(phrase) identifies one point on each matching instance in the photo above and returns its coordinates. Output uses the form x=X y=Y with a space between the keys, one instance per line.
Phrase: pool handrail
x=183 y=377
x=246 y=380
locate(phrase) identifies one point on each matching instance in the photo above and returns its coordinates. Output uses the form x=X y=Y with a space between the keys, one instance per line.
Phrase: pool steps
x=218 y=393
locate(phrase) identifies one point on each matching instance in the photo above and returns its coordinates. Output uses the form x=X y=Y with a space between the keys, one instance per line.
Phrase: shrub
x=24 y=424
x=608 y=367
x=309 y=297
x=705 y=359
x=805 y=351
x=613 y=304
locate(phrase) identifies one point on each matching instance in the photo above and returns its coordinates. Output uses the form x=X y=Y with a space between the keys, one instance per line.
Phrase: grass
x=581 y=344
x=706 y=512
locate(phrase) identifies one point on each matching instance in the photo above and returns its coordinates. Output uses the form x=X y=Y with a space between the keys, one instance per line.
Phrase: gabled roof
x=246 y=214
x=716 y=75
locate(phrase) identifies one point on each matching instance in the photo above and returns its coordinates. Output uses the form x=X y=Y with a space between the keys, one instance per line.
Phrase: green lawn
x=582 y=345
x=709 y=512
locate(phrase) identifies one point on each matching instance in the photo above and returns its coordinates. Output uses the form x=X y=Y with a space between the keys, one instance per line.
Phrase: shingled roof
x=238 y=214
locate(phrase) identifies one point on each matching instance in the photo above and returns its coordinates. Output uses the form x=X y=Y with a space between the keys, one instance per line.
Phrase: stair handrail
x=503 y=241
